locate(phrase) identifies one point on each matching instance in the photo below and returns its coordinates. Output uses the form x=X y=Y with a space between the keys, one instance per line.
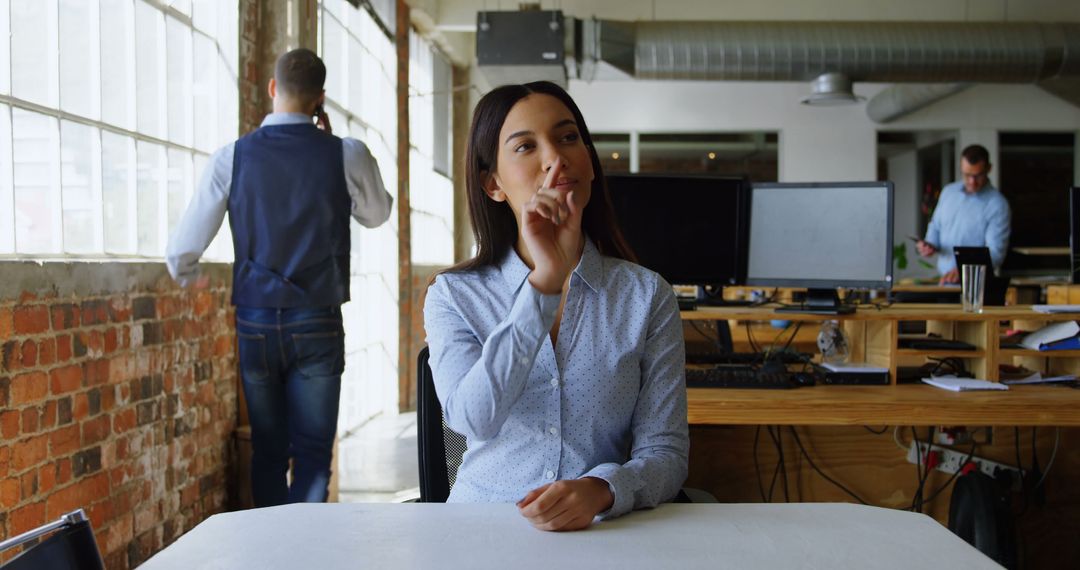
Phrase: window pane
x=204 y=16
x=7 y=212
x=148 y=69
x=179 y=176
x=228 y=32
x=204 y=93
x=149 y=198
x=5 y=47
x=33 y=56
x=77 y=184
x=334 y=39
x=228 y=104
x=76 y=61
x=117 y=67
x=35 y=160
x=179 y=81
x=182 y=6
x=117 y=189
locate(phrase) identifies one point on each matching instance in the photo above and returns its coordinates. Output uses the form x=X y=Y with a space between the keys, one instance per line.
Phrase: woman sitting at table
x=560 y=361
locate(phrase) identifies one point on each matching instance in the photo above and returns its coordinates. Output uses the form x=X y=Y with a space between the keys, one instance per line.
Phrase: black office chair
x=440 y=449
x=71 y=546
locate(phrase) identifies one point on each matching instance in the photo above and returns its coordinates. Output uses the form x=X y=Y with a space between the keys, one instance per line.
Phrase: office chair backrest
x=71 y=546
x=439 y=448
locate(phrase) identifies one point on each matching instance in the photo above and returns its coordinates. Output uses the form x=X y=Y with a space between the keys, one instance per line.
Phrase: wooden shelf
x=895 y=312
x=909 y=404
x=1011 y=352
x=941 y=353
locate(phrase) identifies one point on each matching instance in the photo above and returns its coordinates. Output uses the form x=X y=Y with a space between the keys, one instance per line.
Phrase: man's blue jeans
x=291 y=362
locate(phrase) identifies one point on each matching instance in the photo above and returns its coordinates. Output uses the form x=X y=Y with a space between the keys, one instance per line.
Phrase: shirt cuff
x=533 y=315
x=615 y=476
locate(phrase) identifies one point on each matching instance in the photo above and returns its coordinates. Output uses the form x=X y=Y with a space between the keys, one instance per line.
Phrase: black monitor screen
x=686 y=228
x=821 y=235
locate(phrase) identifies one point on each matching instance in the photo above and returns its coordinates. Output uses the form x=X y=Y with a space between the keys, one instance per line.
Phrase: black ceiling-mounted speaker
x=1074 y=234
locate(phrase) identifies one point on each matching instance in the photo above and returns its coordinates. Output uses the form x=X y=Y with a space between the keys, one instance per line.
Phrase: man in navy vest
x=289 y=188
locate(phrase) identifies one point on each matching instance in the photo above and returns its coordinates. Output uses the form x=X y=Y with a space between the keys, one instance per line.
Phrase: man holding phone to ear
x=289 y=188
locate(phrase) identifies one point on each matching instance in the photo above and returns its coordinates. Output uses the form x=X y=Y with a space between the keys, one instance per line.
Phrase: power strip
x=950 y=461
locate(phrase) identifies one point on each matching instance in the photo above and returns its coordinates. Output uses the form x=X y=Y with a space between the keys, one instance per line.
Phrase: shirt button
x=549 y=474
x=554 y=382
x=553 y=431
x=524 y=360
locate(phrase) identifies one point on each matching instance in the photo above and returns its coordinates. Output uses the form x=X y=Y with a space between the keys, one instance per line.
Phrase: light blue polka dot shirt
x=608 y=401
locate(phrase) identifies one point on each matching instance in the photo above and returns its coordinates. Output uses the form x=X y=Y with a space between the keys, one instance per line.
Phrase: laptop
x=996 y=287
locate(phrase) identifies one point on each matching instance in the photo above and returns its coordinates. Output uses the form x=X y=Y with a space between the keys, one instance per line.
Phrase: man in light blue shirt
x=969 y=213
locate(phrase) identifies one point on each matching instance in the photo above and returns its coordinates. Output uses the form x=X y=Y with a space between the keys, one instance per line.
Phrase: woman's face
x=538 y=130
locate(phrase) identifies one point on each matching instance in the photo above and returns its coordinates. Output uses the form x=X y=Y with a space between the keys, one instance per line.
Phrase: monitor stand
x=820 y=302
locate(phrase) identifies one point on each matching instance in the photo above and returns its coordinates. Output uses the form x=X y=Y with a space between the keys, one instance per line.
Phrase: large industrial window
x=361 y=100
x=431 y=189
x=107 y=109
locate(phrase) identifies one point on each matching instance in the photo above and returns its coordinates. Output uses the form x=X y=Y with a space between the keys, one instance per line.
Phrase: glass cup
x=973 y=286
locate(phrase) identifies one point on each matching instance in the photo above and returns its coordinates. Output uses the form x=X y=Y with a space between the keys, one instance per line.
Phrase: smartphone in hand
x=321 y=119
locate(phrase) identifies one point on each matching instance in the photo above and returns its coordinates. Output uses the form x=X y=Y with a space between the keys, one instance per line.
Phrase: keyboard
x=737 y=376
x=782 y=356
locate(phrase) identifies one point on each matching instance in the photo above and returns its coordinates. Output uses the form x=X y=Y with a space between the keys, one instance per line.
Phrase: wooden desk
x=874 y=335
x=418 y=535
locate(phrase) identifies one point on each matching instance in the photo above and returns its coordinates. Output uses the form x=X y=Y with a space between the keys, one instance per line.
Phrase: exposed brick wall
x=118 y=395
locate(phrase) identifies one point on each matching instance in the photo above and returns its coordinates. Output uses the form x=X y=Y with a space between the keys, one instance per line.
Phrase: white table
x=415 y=535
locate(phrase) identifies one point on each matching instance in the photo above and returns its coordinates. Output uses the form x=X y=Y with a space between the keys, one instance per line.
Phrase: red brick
x=111 y=341
x=29 y=354
x=95 y=430
x=120 y=309
x=63 y=471
x=96 y=343
x=124 y=420
x=46 y=478
x=64 y=441
x=80 y=494
x=30 y=452
x=66 y=379
x=9 y=425
x=64 y=316
x=108 y=398
x=30 y=420
x=26 y=518
x=48 y=415
x=7 y=323
x=94 y=312
x=9 y=493
x=63 y=348
x=5 y=460
x=96 y=372
x=30 y=387
x=80 y=407
x=32 y=319
x=47 y=351
x=29 y=484
x=204 y=301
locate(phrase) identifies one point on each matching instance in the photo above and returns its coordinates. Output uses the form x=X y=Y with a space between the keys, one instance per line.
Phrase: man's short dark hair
x=300 y=74
x=975 y=154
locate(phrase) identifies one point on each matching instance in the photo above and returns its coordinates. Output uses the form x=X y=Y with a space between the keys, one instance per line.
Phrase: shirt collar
x=274 y=119
x=590 y=268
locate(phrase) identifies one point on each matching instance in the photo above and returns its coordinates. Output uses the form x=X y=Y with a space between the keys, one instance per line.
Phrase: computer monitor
x=690 y=229
x=1074 y=234
x=821 y=236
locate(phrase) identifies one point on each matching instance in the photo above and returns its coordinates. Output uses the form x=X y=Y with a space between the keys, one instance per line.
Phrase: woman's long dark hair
x=494 y=225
